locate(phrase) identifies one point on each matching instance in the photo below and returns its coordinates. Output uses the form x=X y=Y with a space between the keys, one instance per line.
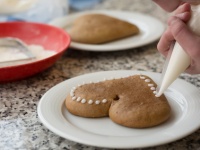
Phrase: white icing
x=83 y=101
x=72 y=92
x=151 y=85
x=97 y=102
x=142 y=77
x=104 y=100
x=147 y=80
x=90 y=101
x=78 y=99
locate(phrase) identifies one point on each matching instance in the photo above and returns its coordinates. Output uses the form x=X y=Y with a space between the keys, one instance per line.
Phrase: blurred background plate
x=150 y=30
x=49 y=37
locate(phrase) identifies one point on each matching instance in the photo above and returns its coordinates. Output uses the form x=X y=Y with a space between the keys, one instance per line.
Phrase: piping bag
x=178 y=60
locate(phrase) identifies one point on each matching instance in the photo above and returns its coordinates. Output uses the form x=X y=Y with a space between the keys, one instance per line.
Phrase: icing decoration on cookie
x=151 y=85
x=90 y=101
x=147 y=80
x=104 y=100
x=83 y=101
x=153 y=88
x=97 y=102
x=78 y=99
x=142 y=77
x=126 y=100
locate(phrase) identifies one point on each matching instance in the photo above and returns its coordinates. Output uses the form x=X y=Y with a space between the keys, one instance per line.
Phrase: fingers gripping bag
x=178 y=60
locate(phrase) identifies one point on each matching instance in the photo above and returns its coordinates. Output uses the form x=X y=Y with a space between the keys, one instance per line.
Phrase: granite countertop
x=20 y=128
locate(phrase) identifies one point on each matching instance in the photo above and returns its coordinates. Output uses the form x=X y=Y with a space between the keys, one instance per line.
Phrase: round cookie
x=128 y=101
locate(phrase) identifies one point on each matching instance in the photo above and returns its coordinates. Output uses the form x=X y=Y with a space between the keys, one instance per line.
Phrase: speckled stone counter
x=20 y=128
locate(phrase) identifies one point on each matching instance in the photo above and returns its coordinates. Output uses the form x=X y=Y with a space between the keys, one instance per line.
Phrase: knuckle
x=178 y=29
x=171 y=20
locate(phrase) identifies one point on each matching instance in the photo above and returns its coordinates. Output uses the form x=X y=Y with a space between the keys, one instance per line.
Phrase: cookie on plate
x=100 y=28
x=128 y=101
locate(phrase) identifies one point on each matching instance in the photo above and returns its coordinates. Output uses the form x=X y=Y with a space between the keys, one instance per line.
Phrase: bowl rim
x=60 y=51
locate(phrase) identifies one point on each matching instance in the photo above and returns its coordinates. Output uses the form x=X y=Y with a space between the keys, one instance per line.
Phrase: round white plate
x=150 y=30
x=102 y=132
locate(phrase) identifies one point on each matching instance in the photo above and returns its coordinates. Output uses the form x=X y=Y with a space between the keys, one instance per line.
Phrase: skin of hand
x=178 y=31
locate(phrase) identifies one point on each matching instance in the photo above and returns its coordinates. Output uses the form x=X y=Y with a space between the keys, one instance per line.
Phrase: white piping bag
x=178 y=60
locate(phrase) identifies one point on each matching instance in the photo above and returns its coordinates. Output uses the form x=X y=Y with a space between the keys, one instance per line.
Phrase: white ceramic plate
x=102 y=132
x=150 y=30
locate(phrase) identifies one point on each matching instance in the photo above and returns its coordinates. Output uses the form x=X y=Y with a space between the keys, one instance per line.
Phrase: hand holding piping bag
x=186 y=52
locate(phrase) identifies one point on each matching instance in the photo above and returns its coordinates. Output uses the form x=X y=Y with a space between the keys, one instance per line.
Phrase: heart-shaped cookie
x=100 y=28
x=128 y=101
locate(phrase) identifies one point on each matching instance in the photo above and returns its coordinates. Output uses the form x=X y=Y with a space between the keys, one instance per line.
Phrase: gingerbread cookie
x=128 y=101
x=99 y=28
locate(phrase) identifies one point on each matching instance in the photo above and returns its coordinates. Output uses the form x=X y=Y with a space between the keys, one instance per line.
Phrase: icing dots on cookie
x=83 y=100
x=142 y=77
x=103 y=101
x=151 y=85
x=147 y=80
x=97 y=102
x=78 y=99
x=90 y=102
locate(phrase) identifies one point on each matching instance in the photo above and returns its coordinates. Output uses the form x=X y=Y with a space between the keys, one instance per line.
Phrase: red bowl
x=50 y=37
